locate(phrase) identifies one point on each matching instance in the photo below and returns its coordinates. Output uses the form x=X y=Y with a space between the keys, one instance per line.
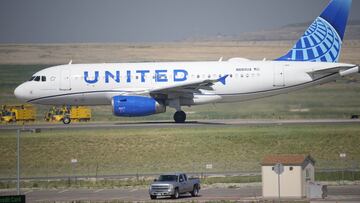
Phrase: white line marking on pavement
x=27 y=192
x=62 y=191
x=133 y=190
x=99 y=190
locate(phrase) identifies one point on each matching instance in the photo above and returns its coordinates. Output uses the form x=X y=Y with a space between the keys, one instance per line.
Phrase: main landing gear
x=180 y=117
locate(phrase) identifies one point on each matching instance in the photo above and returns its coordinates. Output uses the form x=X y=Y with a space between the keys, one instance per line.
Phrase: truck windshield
x=167 y=178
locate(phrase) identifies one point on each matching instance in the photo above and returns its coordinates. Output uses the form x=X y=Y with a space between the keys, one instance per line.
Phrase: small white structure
x=298 y=172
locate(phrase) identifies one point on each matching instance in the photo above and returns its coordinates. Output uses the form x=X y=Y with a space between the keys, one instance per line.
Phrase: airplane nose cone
x=19 y=93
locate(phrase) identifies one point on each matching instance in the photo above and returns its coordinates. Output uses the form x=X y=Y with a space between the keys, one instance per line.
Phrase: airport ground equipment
x=173 y=185
x=16 y=113
x=66 y=114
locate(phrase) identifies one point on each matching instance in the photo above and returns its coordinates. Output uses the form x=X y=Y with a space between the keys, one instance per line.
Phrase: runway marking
x=133 y=190
x=41 y=200
x=62 y=191
x=99 y=190
x=27 y=192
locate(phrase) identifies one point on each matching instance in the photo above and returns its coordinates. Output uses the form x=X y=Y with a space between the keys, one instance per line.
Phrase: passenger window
x=43 y=78
x=37 y=78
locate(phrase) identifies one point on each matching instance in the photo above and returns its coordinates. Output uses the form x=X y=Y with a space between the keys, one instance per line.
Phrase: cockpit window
x=37 y=78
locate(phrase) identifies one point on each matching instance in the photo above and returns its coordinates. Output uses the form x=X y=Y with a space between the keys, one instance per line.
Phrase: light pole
x=18 y=162
x=18 y=155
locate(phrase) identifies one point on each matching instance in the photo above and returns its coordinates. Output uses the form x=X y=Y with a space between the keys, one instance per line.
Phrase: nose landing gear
x=179 y=117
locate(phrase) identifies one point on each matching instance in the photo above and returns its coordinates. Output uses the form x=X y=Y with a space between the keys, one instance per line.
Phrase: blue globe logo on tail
x=319 y=43
x=323 y=39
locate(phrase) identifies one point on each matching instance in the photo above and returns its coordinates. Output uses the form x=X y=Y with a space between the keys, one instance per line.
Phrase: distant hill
x=288 y=32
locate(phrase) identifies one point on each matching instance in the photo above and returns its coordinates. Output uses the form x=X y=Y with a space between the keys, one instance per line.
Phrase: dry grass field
x=180 y=51
x=149 y=150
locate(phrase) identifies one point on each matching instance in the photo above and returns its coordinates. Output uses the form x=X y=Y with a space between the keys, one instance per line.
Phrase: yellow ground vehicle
x=66 y=114
x=14 y=113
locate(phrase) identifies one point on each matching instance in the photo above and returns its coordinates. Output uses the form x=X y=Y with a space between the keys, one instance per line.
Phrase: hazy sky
x=50 y=21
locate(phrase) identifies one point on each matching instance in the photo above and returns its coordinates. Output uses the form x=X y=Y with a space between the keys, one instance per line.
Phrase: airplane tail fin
x=323 y=39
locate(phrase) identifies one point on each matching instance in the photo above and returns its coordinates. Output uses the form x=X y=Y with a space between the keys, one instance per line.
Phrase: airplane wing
x=189 y=87
x=180 y=89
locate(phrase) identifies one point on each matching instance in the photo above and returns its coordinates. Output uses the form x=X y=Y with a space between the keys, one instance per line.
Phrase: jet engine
x=132 y=106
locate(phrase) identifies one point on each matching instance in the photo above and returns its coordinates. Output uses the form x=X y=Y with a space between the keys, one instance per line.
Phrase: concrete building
x=298 y=171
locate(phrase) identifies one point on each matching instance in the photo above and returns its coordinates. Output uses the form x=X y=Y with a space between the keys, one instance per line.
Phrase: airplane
x=143 y=89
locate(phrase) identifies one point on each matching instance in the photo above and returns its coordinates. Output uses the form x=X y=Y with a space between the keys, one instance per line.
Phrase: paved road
x=336 y=193
x=199 y=123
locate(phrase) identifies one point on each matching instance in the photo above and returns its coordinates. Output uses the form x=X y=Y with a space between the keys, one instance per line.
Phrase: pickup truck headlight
x=170 y=188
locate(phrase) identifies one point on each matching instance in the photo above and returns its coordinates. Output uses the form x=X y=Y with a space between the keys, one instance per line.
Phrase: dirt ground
x=177 y=51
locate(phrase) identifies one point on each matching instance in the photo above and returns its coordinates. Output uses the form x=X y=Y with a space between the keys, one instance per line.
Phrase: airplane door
x=65 y=83
x=279 y=76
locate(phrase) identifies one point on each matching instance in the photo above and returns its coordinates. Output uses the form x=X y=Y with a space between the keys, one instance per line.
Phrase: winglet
x=223 y=79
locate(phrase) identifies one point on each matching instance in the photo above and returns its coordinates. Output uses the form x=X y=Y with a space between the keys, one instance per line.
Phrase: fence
x=327 y=171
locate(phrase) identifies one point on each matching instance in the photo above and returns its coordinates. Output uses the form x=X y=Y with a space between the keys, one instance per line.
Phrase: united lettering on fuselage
x=114 y=76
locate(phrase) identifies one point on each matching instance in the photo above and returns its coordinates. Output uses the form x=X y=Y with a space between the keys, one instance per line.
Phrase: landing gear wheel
x=66 y=120
x=176 y=194
x=152 y=196
x=180 y=117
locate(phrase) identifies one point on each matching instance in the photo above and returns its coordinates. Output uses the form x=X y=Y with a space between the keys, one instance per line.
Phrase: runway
x=208 y=193
x=168 y=124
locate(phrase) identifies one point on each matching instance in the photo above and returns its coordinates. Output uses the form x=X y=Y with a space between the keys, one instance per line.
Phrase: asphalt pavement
x=170 y=124
x=348 y=193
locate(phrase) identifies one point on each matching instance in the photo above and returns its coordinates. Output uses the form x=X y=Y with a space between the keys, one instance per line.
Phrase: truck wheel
x=195 y=191
x=176 y=194
x=66 y=120
x=153 y=196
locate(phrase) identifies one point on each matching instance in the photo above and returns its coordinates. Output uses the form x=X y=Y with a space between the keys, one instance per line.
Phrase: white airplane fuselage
x=97 y=84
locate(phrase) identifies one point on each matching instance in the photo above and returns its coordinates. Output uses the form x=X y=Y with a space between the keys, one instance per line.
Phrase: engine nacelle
x=132 y=106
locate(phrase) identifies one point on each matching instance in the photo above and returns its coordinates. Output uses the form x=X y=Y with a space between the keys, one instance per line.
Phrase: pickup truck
x=173 y=185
